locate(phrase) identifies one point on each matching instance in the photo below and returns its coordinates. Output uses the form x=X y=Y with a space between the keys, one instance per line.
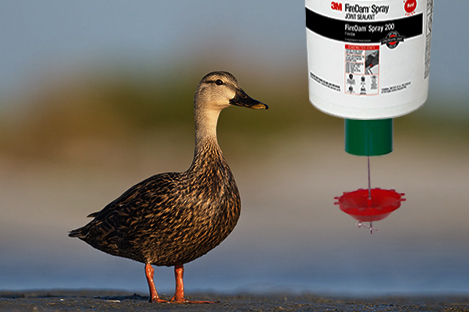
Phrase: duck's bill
x=244 y=100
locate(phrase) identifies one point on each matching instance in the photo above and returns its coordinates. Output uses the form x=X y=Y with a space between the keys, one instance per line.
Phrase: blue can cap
x=368 y=137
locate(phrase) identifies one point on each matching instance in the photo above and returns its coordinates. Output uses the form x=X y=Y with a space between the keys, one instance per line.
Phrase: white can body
x=368 y=59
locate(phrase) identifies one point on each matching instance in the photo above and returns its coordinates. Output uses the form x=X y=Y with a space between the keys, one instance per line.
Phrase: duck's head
x=218 y=90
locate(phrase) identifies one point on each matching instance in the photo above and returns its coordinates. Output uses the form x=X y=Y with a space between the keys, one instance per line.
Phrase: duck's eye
x=219 y=82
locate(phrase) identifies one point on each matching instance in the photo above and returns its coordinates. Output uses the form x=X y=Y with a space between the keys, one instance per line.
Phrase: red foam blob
x=358 y=205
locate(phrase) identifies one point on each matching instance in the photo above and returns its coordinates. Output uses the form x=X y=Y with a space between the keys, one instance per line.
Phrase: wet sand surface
x=60 y=300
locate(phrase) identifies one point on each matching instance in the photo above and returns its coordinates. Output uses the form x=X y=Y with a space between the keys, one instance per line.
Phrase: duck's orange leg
x=179 y=296
x=151 y=284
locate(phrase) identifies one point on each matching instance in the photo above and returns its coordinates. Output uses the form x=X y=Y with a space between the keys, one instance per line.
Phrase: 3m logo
x=336 y=6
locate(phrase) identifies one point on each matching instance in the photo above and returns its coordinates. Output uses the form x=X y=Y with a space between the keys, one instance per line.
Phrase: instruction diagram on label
x=362 y=69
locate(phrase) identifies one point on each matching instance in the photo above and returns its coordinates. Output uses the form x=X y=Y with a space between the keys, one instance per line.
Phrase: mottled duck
x=173 y=218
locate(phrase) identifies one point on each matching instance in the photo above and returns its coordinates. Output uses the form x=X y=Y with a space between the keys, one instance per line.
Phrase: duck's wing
x=119 y=202
x=131 y=205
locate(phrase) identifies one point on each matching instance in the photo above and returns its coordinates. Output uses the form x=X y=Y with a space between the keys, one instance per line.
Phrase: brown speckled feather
x=170 y=218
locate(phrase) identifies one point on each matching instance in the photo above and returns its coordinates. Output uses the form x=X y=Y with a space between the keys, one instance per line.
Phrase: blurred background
x=96 y=96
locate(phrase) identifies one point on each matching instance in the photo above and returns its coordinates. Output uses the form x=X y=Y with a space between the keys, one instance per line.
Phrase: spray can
x=368 y=62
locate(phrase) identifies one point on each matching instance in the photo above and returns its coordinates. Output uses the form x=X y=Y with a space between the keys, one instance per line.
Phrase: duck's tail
x=83 y=231
x=77 y=233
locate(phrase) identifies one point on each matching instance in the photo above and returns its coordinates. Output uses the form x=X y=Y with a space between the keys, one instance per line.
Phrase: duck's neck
x=206 y=144
x=206 y=125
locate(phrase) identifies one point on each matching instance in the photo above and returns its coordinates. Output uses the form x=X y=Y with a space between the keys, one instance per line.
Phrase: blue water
x=372 y=266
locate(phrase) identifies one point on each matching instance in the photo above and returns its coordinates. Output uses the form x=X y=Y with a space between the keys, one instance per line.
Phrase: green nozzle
x=368 y=137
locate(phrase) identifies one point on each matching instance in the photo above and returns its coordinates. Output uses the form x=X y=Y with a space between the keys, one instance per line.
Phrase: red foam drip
x=358 y=205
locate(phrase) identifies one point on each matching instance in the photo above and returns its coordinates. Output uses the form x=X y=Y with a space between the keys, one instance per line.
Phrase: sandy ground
x=60 y=300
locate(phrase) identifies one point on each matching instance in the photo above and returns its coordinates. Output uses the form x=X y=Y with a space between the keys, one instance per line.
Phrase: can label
x=368 y=59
